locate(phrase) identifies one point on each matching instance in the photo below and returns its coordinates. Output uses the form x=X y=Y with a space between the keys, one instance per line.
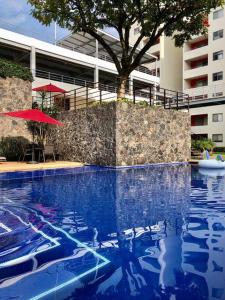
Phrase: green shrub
x=124 y=100
x=13 y=147
x=203 y=144
x=12 y=69
x=143 y=103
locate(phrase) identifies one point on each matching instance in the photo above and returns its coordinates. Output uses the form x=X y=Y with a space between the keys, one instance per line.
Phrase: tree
x=40 y=130
x=179 y=19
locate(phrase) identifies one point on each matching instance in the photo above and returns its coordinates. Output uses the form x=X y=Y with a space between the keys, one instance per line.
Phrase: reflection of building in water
x=204 y=241
x=165 y=240
x=146 y=196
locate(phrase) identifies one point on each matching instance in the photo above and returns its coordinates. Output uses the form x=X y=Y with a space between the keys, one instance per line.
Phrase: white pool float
x=211 y=164
x=212 y=172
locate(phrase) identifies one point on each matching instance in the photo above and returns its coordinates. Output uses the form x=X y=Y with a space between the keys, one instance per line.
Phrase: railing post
x=188 y=103
x=177 y=100
x=75 y=99
x=164 y=98
x=150 y=95
x=64 y=101
x=134 y=96
x=100 y=95
x=86 y=95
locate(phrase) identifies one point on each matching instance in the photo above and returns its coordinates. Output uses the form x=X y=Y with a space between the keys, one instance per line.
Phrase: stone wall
x=15 y=94
x=88 y=135
x=119 y=134
x=151 y=135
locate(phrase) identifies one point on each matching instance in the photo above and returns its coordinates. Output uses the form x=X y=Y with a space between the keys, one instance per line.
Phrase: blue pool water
x=156 y=232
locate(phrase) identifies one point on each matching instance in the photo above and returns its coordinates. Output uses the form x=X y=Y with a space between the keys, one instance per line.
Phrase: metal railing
x=62 y=78
x=98 y=94
x=206 y=92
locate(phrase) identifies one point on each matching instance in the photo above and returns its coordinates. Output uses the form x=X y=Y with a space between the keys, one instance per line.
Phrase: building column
x=96 y=76
x=33 y=61
x=131 y=85
x=96 y=71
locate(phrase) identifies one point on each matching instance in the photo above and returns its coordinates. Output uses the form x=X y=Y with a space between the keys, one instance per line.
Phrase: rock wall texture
x=88 y=135
x=120 y=134
x=15 y=94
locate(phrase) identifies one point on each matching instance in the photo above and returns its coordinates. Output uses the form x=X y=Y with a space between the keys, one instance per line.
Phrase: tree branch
x=107 y=48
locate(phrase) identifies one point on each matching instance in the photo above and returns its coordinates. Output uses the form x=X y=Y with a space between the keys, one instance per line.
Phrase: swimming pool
x=156 y=232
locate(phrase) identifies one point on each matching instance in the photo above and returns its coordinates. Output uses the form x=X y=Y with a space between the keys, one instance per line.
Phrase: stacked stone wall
x=120 y=134
x=15 y=94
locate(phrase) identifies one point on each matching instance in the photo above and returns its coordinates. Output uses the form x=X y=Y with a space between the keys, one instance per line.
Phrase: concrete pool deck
x=22 y=166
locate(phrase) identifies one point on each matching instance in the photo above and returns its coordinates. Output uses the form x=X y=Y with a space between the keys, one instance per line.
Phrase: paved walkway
x=22 y=166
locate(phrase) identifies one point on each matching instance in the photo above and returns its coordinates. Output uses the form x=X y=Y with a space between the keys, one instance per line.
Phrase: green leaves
x=40 y=130
x=179 y=19
x=11 y=69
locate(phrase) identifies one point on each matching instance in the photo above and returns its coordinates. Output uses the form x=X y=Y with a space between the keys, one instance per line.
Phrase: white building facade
x=70 y=64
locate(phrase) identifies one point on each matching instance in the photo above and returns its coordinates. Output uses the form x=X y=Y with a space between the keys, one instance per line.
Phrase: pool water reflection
x=144 y=233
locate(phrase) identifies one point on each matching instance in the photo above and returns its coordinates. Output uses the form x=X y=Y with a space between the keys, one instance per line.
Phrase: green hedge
x=203 y=144
x=13 y=147
x=12 y=69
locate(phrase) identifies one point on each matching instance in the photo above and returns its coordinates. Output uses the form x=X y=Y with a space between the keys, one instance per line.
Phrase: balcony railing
x=88 y=96
x=62 y=78
x=206 y=92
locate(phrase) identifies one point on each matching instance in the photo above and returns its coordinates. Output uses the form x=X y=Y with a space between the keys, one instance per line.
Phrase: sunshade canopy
x=33 y=115
x=49 y=88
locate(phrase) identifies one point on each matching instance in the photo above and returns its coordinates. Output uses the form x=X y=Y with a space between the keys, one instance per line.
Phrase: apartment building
x=208 y=122
x=204 y=80
x=169 y=60
x=203 y=61
x=197 y=69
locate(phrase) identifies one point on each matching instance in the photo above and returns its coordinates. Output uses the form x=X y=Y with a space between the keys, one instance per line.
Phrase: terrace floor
x=23 y=166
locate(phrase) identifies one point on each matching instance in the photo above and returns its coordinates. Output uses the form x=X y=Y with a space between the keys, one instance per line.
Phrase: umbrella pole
x=33 y=161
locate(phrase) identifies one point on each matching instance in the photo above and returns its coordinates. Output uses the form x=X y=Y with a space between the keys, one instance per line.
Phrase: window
x=218 y=14
x=217 y=76
x=136 y=30
x=218 y=138
x=218 y=34
x=218 y=55
x=217 y=117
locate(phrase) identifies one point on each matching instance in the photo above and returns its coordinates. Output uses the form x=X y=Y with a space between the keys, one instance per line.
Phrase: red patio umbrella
x=49 y=88
x=33 y=115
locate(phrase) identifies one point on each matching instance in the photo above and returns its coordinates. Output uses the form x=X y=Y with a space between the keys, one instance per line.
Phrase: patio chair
x=27 y=151
x=48 y=151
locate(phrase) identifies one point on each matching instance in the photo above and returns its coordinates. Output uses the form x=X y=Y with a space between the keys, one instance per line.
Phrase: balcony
x=196 y=72
x=199 y=120
x=206 y=92
x=195 y=53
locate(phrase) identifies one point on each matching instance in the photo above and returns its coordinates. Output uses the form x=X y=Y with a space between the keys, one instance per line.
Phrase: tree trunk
x=121 y=92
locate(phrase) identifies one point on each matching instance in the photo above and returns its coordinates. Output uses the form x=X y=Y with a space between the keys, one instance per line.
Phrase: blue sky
x=15 y=16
